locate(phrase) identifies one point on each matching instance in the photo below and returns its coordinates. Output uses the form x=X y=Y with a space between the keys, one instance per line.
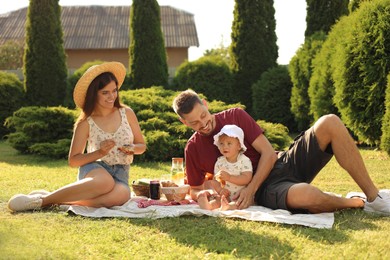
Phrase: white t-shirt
x=243 y=164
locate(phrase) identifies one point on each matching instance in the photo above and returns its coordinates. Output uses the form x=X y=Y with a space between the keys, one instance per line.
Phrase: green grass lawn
x=52 y=234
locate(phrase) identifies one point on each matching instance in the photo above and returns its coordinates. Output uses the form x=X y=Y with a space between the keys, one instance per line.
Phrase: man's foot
x=21 y=202
x=380 y=205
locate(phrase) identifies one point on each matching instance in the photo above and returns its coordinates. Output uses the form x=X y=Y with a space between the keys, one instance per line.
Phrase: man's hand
x=244 y=198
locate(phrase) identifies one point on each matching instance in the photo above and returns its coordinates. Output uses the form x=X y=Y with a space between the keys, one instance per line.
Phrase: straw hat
x=80 y=90
x=232 y=131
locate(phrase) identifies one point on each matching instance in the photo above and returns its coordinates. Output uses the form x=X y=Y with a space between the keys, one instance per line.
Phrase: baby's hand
x=224 y=192
x=222 y=175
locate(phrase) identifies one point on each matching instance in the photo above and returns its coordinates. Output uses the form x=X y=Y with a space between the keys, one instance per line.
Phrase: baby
x=232 y=171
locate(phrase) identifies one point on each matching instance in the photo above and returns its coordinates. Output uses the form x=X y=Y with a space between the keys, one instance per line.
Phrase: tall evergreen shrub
x=323 y=14
x=361 y=68
x=321 y=86
x=385 y=139
x=148 y=62
x=253 y=47
x=45 y=70
x=271 y=97
x=300 y=70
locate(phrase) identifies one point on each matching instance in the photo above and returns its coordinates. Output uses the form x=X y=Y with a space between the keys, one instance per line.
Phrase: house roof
x=104 y=27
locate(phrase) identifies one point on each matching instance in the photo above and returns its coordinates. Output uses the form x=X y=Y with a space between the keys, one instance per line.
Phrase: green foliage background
x=47 y=131
x=148 y=62
x=253 y=47
x=11 y=98
x=361 y=65
x=300 y=69
x=323 y=14
x=385 y=139
x=209 y=75
x=271 y=97
x=45 y=70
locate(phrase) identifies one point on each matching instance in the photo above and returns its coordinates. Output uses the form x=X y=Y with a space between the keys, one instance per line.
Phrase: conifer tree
x=148 y=62
x=45 y=70
x=253 y=48
x=323 y=14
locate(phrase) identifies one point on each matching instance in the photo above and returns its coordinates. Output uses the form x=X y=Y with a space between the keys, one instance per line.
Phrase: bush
x=209 y=75
x=385 y=139
x=48 y=131
x=11 y=55
x=11 y=98
x=277 y=134
x=361 y=68
x=165 y=135
x=271 y=97
x=40 y=128
x=300 y=69
x=321 y=87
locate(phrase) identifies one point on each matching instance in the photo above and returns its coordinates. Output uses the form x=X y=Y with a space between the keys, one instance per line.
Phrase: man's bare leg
x=330 y=130
x=306 y=196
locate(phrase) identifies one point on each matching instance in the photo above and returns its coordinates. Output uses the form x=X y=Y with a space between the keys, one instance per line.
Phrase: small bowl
x=176 y=193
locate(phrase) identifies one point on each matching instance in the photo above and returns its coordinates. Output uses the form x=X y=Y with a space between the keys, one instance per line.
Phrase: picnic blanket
x=133 y=209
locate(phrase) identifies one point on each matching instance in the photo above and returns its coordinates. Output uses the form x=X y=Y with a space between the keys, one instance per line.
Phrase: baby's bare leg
x=204 y=203
x=226 y=205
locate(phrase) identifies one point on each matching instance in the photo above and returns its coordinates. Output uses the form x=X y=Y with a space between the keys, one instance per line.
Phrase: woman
x=112 y=135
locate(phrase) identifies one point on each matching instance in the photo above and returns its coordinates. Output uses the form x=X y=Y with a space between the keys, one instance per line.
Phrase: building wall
x=76 y=58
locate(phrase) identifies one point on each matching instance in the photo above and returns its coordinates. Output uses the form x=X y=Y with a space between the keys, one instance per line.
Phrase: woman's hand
x=127 y=149
x=106 y=146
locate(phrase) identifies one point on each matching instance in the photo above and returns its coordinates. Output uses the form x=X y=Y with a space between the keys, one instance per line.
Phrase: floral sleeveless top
x=123 y=135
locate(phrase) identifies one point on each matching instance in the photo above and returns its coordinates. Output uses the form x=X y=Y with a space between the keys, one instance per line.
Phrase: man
x=281 y=180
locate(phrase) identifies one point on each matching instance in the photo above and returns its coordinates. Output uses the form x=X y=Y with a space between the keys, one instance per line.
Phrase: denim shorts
x=119 y=172
x=299 y=164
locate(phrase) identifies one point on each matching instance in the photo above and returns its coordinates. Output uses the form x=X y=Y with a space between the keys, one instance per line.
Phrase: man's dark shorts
x=300 y=163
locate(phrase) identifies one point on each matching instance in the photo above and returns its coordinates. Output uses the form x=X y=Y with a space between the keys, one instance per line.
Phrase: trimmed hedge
x=37 y=130
x=11 y=98
x=47 y=131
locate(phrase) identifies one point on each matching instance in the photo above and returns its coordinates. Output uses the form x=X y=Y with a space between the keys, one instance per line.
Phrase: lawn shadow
x=214 y=236
x=345 y=221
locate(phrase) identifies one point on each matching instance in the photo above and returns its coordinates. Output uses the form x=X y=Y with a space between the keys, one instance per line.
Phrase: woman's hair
x=185 y=102
x=90 y=98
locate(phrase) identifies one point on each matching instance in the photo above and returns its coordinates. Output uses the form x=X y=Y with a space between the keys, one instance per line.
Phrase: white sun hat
x=232 y=131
